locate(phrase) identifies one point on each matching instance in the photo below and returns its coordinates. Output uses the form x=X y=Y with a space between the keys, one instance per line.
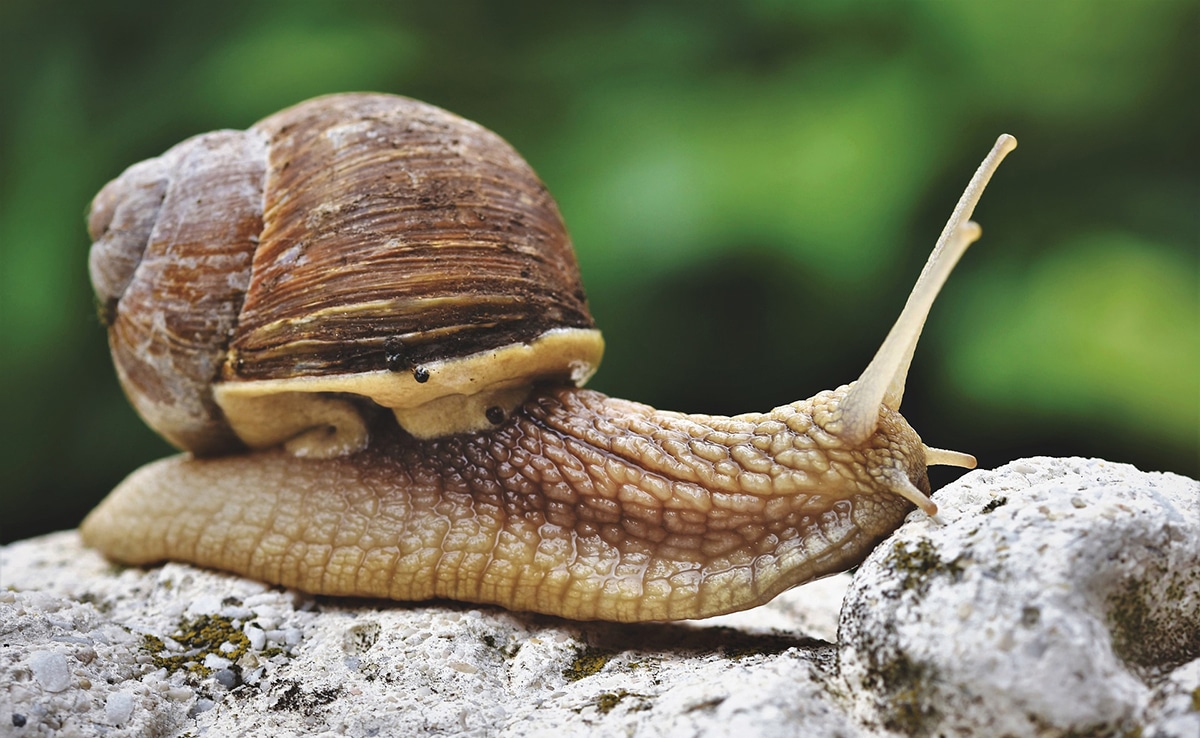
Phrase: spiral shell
x=272 y=285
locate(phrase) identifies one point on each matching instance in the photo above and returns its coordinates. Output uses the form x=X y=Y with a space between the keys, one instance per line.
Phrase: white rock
x=50 y=670
x=118 y=708
x=1053 y=596
x=257 y=636
x=1068 y=603
x=1177 y=703
x=207 y=605
x=106 y=665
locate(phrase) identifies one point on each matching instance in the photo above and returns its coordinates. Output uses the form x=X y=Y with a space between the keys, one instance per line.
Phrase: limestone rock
x=92 y=649
x=1054 y=597
x=1050 y=597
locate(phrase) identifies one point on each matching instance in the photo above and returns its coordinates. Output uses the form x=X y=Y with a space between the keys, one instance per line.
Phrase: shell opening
x=309 y=425
x=313 y=416
x=461 y=413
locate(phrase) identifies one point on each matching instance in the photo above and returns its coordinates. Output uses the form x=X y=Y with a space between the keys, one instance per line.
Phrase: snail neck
x=787 y=452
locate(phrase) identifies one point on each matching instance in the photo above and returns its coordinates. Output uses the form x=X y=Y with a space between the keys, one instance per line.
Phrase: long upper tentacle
x=882 y=383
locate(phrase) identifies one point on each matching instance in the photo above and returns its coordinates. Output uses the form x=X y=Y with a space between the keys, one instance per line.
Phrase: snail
x=362 y=321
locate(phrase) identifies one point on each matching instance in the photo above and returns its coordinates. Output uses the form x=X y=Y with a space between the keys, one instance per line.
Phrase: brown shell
x=347 y=234
x=433 y=227
x=174 y=238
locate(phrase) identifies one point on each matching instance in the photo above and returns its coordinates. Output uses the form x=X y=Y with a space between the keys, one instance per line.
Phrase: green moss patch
x=995 y=504
x=587 y=661
x=918 y=565
x=1154 y=620
x=293 y=698
x=199 y=637
x=606 y=701
x=904 y=684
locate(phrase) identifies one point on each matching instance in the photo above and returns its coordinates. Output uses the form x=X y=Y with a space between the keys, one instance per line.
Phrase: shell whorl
x=348 y=234
x=173 y=242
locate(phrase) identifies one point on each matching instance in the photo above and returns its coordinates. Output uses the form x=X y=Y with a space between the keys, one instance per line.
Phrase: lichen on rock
x=1058 y=612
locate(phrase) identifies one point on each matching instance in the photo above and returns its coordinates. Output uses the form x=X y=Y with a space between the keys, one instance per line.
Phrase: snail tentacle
x=882 y=382
x=945 y=457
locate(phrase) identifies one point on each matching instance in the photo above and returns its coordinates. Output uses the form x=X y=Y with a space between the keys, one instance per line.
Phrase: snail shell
x=259 y=285
x=291 y=287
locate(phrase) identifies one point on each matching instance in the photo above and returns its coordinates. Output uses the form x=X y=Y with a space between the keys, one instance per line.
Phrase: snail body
x=374 y=360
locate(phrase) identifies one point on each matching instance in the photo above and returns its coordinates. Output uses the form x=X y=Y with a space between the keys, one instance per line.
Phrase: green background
x=752 y=188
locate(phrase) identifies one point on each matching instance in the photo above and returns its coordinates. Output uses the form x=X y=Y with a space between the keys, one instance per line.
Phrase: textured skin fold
x=580 y=505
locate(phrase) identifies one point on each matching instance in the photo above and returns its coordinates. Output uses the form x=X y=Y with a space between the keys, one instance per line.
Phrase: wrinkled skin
x=579 y=505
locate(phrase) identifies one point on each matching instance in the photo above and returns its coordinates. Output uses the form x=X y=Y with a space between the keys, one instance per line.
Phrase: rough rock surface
x=1051 y=597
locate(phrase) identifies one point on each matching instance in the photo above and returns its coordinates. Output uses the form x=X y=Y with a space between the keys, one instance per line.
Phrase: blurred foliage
x=752 y=189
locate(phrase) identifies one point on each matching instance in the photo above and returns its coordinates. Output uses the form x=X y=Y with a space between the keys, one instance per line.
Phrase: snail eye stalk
x=882 y=382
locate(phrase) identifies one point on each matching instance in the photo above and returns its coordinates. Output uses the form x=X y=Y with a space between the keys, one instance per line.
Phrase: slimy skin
x=368 y=348
x=580 y=505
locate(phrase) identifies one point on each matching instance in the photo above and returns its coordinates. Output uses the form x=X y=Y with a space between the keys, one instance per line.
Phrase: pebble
x=118 y=708
x=50 y=670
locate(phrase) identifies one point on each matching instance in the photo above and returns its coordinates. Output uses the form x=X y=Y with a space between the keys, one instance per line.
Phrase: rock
x=1051 y=597
x=50 y=670
x=1054 y=597
x=175 y=650
x=118 y=708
